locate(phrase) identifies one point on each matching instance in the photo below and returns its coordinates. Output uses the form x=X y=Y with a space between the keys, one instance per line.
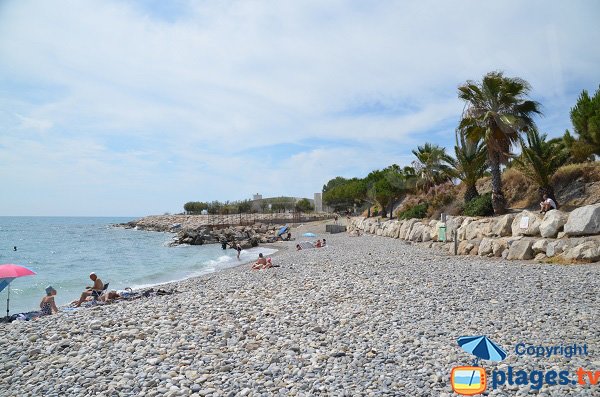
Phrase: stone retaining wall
x=569 y=237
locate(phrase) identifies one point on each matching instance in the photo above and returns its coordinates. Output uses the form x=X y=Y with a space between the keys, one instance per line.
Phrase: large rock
x=588 y=251
x=583 y=221
x=485 y=247
x=553 y=223
x=478 y=229
x=498 y=247
x=462 y=230
x=533 y=226
x=503 y=226
x=465 y=247
x=555 y=248
x=540 y=246
x=521 y=249
x=419 y=232
x=405 y=228
x=452 y=224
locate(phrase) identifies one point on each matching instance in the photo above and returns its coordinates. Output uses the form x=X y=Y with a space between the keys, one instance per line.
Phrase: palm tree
x=540 y=159
x=431 y=166
x=497 y=112
x=470 y=163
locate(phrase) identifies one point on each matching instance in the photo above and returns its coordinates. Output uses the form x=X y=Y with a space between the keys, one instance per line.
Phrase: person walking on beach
x=238 y=247
x=95 y=289
x=47 y=305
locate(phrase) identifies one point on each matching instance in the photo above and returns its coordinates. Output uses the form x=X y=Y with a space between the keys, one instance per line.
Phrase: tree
x=585 y=117
x=387 y=186
x=497 y=113
x=470 y=163
x=540 y=159
x=304 y=205
x=345 y=195
x=431 y=165
x=579 y=151
x=194 y=207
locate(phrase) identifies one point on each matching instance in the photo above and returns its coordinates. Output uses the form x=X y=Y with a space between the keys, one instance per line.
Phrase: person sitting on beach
x=47 y=305
x=547 y=204
x=96 y=289
x=298 y=247
x=324 y=243
x=318 y=244
x=260 y=263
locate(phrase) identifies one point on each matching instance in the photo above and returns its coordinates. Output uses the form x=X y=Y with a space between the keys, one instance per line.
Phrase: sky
x=129 y=108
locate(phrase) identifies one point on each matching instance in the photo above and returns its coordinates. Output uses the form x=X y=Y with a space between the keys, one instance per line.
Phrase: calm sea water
x=63 y=251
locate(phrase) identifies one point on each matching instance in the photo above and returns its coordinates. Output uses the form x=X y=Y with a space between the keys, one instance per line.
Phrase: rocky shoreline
x=366 y=315
x=556 y=236
x=205 y=229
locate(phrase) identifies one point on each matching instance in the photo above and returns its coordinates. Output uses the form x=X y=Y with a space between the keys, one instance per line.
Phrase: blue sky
x=135 y=107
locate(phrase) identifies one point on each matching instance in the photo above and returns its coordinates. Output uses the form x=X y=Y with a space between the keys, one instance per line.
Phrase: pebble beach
x=364 y=316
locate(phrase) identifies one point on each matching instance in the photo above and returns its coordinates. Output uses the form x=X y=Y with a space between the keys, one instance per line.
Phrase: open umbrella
x=482 y=347
x=283 y=230
x=8 y=273
x=309 y=235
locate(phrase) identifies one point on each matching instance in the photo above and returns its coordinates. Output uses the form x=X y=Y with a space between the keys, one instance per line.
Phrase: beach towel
x=306 y=245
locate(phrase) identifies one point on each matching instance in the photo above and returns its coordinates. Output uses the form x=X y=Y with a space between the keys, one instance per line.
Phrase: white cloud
x=151 y=104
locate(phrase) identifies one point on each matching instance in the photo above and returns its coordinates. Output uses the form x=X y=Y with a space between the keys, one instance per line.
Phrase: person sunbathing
x=260 y=263
x=47 y=305
x=94 y=290
x=318 y=244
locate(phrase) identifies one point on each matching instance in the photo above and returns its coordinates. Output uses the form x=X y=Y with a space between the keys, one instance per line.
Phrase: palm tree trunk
x=498 y=200
x=470 y=193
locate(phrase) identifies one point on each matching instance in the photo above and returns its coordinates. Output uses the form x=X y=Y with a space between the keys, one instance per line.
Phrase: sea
x=63 y=251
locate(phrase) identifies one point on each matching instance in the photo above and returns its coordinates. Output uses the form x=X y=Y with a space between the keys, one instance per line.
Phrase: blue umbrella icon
x=481 y=347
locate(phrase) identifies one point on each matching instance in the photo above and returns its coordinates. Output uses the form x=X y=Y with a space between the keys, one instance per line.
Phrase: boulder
x=588 y=252
x=540 y=246
x=452 y=224
x=434 y=235
x=465 y=247
x=540 y=257
x=555 y=248
x=533 y=226
x=498 y=247
x=485 y=247
x=553 y=223
x=521 y=250
x=462 y=230
x=405 y=228
x=583 y=221
x=419 y=232
x=478 y=229
x=503 y=226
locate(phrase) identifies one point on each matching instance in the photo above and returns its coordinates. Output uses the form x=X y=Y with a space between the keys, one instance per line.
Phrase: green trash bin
x=442 y=233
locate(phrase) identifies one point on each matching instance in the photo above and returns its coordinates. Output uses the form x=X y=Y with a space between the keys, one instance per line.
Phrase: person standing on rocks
x=238 y=247
x=95 y=289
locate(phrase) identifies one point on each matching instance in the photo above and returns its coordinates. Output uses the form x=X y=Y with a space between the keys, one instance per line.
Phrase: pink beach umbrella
x=8 y=273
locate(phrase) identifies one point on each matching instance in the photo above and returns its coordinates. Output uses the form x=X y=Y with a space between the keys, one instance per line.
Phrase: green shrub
x=480 y=206
x=375 y=211
x=418 y=211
